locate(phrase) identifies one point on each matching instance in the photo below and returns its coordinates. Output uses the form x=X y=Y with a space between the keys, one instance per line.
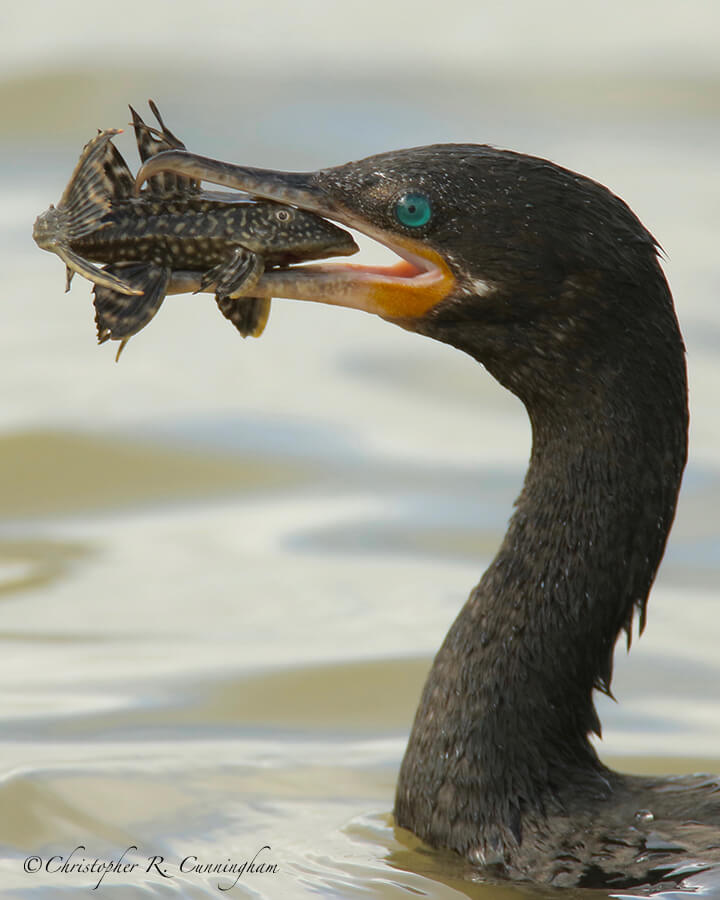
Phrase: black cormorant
x=553 y=284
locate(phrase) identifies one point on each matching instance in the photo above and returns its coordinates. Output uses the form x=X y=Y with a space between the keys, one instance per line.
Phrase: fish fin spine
x=118 y=316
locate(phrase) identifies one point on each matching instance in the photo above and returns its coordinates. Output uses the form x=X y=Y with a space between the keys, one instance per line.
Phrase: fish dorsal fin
x=150 y=142
x=100 y=177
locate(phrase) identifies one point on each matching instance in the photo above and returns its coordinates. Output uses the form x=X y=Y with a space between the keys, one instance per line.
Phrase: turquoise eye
x=413 y=210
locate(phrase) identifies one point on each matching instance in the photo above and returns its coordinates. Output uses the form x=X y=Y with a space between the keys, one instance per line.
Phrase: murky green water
x=225 y=565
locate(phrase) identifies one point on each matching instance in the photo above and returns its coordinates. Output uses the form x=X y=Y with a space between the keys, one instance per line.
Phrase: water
x=225 y=565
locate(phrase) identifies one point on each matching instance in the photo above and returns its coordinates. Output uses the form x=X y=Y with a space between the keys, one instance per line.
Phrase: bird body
x=553 y=284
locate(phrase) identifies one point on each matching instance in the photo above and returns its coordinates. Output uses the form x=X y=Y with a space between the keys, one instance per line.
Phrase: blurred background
x=225 y=565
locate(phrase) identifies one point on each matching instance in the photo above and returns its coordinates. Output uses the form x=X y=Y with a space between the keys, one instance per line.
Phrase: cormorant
x=553 y=284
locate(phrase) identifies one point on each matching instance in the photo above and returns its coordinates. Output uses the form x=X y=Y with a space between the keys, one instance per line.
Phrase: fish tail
x=100 y=176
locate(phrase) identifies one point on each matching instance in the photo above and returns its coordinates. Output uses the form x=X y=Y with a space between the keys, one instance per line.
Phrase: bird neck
x=502 y=731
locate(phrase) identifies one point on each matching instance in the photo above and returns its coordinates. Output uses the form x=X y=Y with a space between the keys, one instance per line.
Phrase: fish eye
x=283 y=215
x=413 y=209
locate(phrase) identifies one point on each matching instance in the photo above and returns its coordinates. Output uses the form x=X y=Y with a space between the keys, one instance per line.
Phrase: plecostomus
x=172 y=225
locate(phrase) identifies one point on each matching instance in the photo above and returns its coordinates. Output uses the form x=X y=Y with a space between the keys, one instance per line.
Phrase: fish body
x=172 y=225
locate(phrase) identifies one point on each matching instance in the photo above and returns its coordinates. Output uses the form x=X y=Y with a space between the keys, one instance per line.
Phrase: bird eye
x=413 y=209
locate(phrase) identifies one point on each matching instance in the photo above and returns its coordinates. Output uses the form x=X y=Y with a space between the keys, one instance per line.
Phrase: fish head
x=285 y=234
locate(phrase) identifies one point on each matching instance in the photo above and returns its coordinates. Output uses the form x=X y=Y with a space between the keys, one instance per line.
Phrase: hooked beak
x=404 y=291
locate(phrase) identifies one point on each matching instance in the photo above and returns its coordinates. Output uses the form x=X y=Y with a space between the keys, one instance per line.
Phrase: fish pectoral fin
x=240 y=273
x=172 y=139
x=248 y=314
x=99 y=276
x=150 y=142
x=118 y=316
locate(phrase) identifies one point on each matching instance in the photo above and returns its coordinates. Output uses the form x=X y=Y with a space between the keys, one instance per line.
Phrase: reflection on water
x=225 y=565
x=26 y=565
x=205 y=678
x=46 y=473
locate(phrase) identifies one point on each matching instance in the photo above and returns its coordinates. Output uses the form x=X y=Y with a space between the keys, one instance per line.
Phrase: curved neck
x=502 y=728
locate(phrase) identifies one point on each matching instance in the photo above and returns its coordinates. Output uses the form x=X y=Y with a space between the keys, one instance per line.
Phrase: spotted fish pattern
x=172 y=225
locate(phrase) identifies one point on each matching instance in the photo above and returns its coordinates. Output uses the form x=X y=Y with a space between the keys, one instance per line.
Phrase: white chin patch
x=476 y=287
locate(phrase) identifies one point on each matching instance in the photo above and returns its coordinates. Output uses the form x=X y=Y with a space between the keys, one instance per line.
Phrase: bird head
x=534 y=270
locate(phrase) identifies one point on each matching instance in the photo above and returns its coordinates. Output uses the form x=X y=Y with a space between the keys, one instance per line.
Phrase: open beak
x=407 y=290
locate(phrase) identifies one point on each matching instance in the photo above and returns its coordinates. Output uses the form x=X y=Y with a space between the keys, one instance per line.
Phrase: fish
x=172 y=225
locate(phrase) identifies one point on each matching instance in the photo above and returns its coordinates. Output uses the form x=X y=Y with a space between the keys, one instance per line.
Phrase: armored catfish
x=172 y=225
